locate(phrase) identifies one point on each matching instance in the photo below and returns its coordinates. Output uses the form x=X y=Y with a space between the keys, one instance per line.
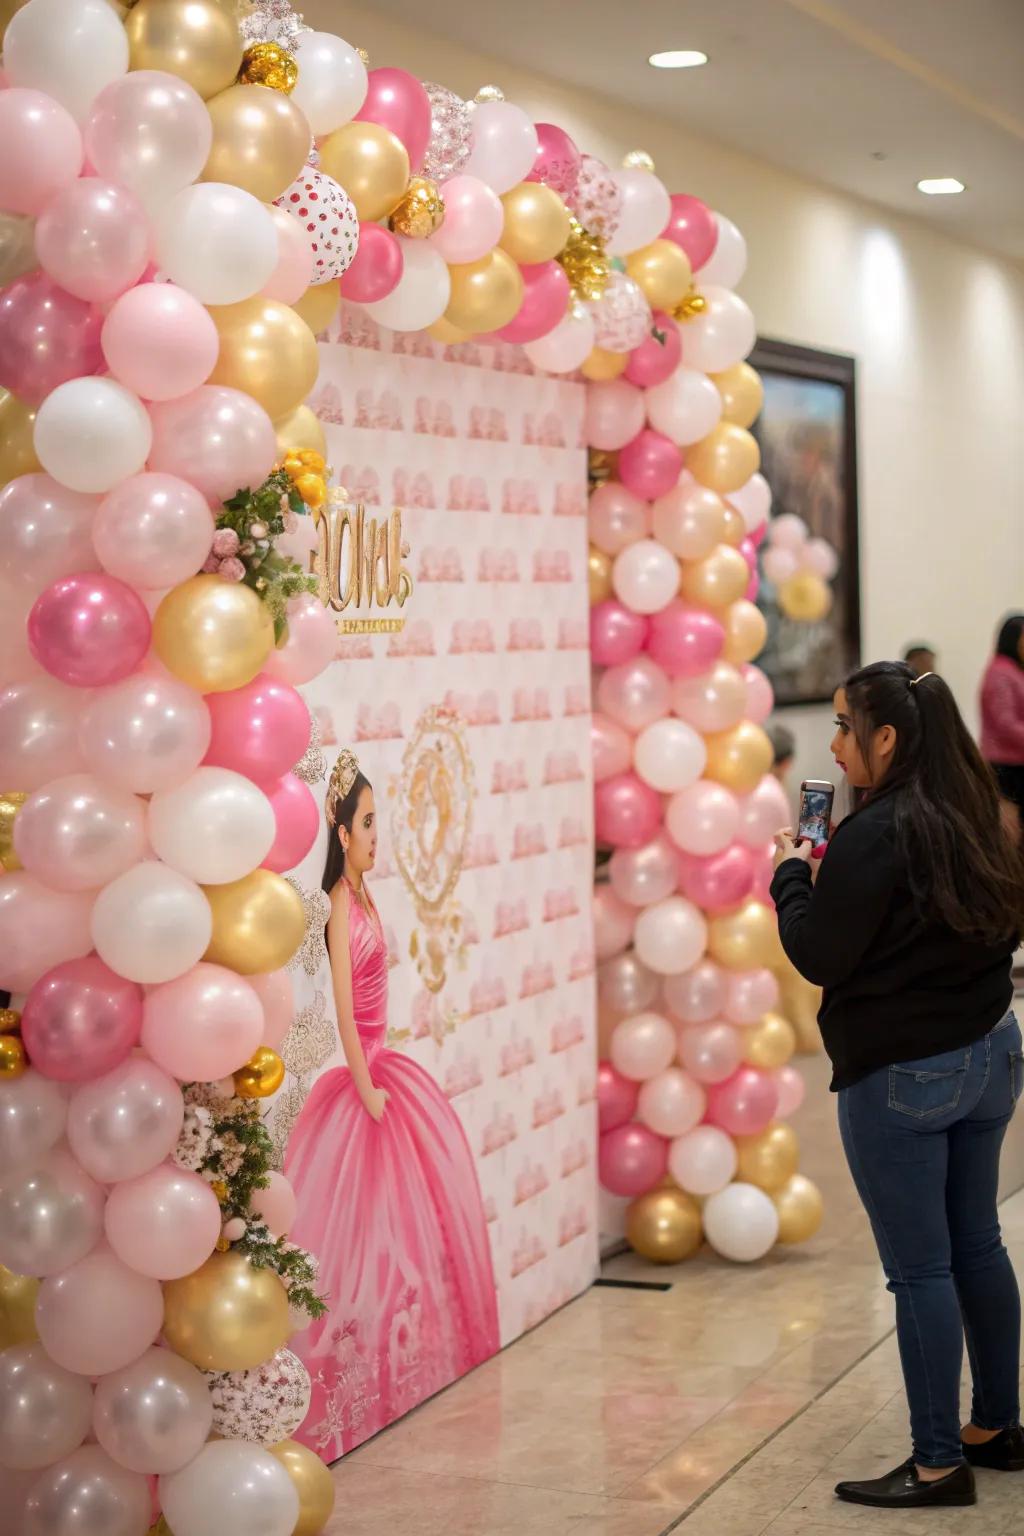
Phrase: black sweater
x=898 y=986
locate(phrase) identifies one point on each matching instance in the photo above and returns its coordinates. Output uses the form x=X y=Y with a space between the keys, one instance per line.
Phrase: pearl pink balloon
x=154 y=1415
x=765 y=811
x=689 y=520
x=260 y=730
x=557 y=161
x=546 y=299
x=45 y=1413
x=215 y=828
x=613 y=923
x=504 y=145
x=723 y=334
x=792 y=1090
x=753 y=502
x=17 y=664
x=165 y=1223
x=202 y=1026
x=616 y=634
x=42 y=150
x=88 y=629
x=297 y=822
x=568 y=346
x=311 y=644
x=124 y=1123
x=44 y=531
x=658 y=355
x=642 y=876
x=161 y=342
x=627 y=812
x=296 y=262
x=710 y=1052
x=616 y=1097
x=646 y=577
x=624 y=985
x=744 y=1104
x=33 y=1112
x=685 y=641
x=616 y=518
x=78 y=833
x=703 y=1161
x=47 y=336
x=93 y=239
x=631 y=1159
x=153 y=531
x=473 y=220
x=821 y=558
x=692 y=227
x=611 y=748
x=87 y=1492
x=749 y=995
x=39 y=929
x=146 y=733
x=670 y=936
x=397 y=101
x=98 y=1316
x=375 y=271
x=51 y=1215
x=703 y=819
x=220 y=437
x=613 y=415
x=276 y=1204
x=81 y=1020
x=151 y=132
x=712 y=701
x=698 y=995
x=669 y=755
x=780 y=564
x=685 y=408
x=151 y=924
x=671 y=1103
x=277 y=998
x=717 y=881
x=650 y=464
x=642 y=1046
x=634 y=694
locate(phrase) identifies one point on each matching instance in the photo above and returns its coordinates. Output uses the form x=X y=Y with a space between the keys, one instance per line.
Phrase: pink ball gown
x=394 y=1215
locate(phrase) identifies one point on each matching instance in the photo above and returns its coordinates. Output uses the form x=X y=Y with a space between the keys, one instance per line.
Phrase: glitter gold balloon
x=214 y=635
x=664 y=1226
x=312 y=1482
x=599 y=571
x=370 y=163
x=771 y=1044
x=601 y=365
x=227 y=1315
x=261 y=1076
x=17 y=450
x=537 y=223
x=198 y=40
x=268 y=352
x=485 y=294
x=261 y=140
x=769 y=1159
x=11 y=802
x=17 y=1308
x=13 y=1060
x=300 y=430
x=742 y=394
x=258 y=923
x=800 y=1207
x=420 y=213
x=662 y=272
x=319 y=305
x=271 y=65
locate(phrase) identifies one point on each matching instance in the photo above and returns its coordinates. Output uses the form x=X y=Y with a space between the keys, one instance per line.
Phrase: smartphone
x=816 y=798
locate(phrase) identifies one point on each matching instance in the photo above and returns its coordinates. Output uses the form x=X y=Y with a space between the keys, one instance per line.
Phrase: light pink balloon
x=202 y=1026
x=703 y=1161
x=220 y=438
x=276 y=1204
x=78 y=833
x=671 y=1103
x=788 y=531
x=616 y=1097
x=685 y=408
x=47 y=336
x=617 y=634
x=17 y=664
x=39 y=929
x=99 y=1315
x=311 y=643
x=642 y=876
x=88 y=629
x=155 y=1415
x=124 y=1123
x=780 y=564
x=473 y=220
x=260 y=730
x=698 y=995
x=89 y=1484
x=297 y=820
x=613 y=923
x=611 y=748
x=635 y=694
x=42 y=150
x=160 y=341
x=685 y=641
x=38 y=732
x=658 y=355
x=613 y=415
x=821 y=558
x=295 y=262
x=689 y=519
x=670 y=936
x=712 y=701
x=710 y=1052
x=44 y=531
x=792 y=1090
x=627 y=812
x=631 y=1159
x=642 y=1046
x=717 y=881
x=81 y=1020
x=149 y=131
x=163 y=1224
x=765 y=811
x=744 y=1104
x=616 y=518
x=760 y=695
x=153 y=531
x=625 y=985
x=565 y=348
x=646 y=577
x=277 y=998
x=749 y=995
x=753 y=501
x=669 y=755
x=703 y=819
x=147 y=733
x=93 y=239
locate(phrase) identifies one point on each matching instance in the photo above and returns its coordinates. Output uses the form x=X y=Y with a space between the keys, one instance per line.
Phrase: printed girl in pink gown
x=387 y=1191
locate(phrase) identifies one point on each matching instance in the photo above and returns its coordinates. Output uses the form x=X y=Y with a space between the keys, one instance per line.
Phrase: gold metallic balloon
x=601 y=365
x=662 y=271
x=227 y=1315
x=443 y=330
x=638 y=160
x=486 y=294
x=599 y=571
x=740 y=757
x=214 y=635
x=716 y=581
x=734 y=529
x=537 y=223
x=745 y=632
x=258 y=923
x=7 y=10
x=17 y=452
x=271 y=65
x=11 y=802
x=799 y=1001
x=267 y=351
x=771 y=1044
x=745 y=939
x=693 y=304
x=725 y=459
x=312 y=1482
x=800 y=1207
x=805 y=597
x=13 y=1060
x=742 y=394
x=261 y=140
x=300 y=430
x=17 y=246
x=319 y=305
x=664 y=1226
x=17 y=1308
x=370 y=163
x=261 y=1076
x=420 y=213
x=770 y=1158
x=198 y=40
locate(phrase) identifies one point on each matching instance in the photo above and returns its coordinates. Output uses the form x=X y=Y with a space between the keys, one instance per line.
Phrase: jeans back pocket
x=928 y=1088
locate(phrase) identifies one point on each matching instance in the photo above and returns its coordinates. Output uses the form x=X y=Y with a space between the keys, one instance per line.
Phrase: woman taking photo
x=910 y=929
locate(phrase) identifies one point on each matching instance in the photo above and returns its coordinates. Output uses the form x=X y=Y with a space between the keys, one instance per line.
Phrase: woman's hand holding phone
x=787 y=847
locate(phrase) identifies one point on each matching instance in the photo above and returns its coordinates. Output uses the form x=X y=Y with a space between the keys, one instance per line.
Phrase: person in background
x=784 y=749
x=1002 y=718
x=921 y=658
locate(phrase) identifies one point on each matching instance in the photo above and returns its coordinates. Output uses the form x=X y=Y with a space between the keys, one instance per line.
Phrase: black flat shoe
x=903 y=1489
x=1004 y=1453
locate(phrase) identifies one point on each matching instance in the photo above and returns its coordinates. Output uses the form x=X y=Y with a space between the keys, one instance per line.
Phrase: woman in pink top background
x=1002 y=714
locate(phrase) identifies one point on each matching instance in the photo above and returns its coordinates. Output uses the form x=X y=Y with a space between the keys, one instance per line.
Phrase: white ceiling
x=865 y=95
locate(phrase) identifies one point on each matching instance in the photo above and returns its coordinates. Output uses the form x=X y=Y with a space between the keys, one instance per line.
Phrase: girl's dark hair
x=1008 y=642
x=344 y=816
x=964 y=870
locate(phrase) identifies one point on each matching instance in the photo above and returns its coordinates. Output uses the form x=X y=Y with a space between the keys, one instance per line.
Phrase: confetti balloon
x=596 y=199
x=326 y=213
x=622 y=316
x=450 y=133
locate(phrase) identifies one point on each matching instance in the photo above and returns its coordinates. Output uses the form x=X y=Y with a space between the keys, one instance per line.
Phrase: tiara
x=343 y=776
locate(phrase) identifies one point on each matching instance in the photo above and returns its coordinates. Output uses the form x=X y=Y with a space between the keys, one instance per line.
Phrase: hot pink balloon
x=203 y=1025
x=557 y=161
x=296 y=262
x=631 y=1160
x=147 y=733
x=163 y=1224
x=764 y=812
x=152 y=530
x=277 y=998
x=260 y=730
x=760 y=695
x=93 y=239
x=546 y=297
x=45 y=531
x=222 y=439
x=80 y=1020
x=698 y=995
x=650 y=464
x=710 y=1052
x=611 y=747
x=753 y=588
x=635 y=694
x=47 y=336
x=160 y=341
x=684 y=641
x=703 y=819
x=719 y=880
x=745 y=1104
x=276 y=1204
x=692 y=227
x=672 y=1103
x=616 y=518
x=42 y=150
x=396 y=100
x=89 y=629
x=79 y=832
x=99 y=1315
x=122 y=1124
x=749 y=995
x=613 y=923
x=616 y=1097
x=297 y=818
x=616 y=633
x=792 y=1090
x=38 y=731
x=375 y=271
x=311 y=643
x=658 y=355
x=643 y=876
x=628 y=812
x=473 y=220
x=613 y=415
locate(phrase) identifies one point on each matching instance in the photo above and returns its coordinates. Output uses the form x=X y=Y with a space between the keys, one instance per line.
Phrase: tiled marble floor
x=727 y=1406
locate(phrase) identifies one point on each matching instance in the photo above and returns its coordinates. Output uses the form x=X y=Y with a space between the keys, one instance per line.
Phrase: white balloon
x=151 y=924
x=671 y=1103
x=70 y=49
x=423 y=291
x=686 y=407
x=33 y=1110
x=332 y=81
x=232 y=1488
x=728 y=261
x=645 y=211
x=216 y=241
x=646 y=576
x=504 y=144
x=741 y=1223
x=703 y=1161
x=91 y=433
x=150 y=132
x=216 y=827
x=722 y=335
x=45 y=1411
x=752 y=501
x=669 y=755
x=566 y=347
x=671 y=936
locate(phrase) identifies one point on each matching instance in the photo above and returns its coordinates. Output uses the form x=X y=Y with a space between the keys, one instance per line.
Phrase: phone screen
x=815 y=814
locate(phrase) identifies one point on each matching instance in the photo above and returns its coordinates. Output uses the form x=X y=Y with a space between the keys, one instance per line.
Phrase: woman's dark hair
x=964 y=871
x=344 y=816
x=1008 y=641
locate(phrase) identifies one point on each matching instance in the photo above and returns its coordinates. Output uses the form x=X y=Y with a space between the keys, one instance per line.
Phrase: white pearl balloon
x=722 y=335
x=669 y=755
x=216 y=241
x=728 y=261
x=33 y=1111
x=741 y=1223
x=423 y=291
x=216 y=827
x=91 y=433
x=670 y=936
x=231 y=1488
x=151 y=924
x=45 y=1411
x=646 y=576
x=69 y=49
x=332 y=81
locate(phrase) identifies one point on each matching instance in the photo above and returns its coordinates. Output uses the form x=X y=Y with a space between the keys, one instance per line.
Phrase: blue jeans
x=922 y=1139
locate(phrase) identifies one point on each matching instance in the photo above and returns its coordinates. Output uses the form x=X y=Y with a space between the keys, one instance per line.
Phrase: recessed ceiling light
x=678 y=58
x=940 y=186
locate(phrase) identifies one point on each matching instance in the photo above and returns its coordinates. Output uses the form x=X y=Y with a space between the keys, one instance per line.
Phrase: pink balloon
x=557 y=160
x=276 y=1204
x=625 y=985
x=713 y=701
x=546 y=299
x=47 y=336
x=684 y=641
x=634 y=694
x=616 y=518
x=748 y=549
x=763 y=812
x=98 y=1316
x=649 y=464
x=203 y=1025
x=753 y=501
x=792 y=1090
x=260 y=730
x=658 y=355
x=93 y=239
x=295 y=266
x=297 y=818
x=44 y=531
x=81 y=1020
x=760 y=695
x=396 y=100
x=42 y=150
x=38 y=731
x=627 y=812
x=219 y=438
x=613 y=416
x=758 y=535
x=277 y=999
x=744 y=1104
x=749 y=995
x=611 y=747
x=149 y=131
x=77 y=833
x=89 y=629
x=147 y=733
x=703 y=819
x=646 y=576
x=152 y=530
x=375 y=271
x=163 y=1224
x=671 y=936
x=692 y=227
x=566 y=347
x=473 y=220
x=642 y=1046
x=160 y=341
x=39 y=929
x=617 y=634
x=616 y=1097
x=122 y=1124
x=631 y=1159
x=718 y=880
x=643 y=876
x=698 y=995
x=613 y=923
x=710 y=1052
x=311 y=643
x=671 y=1103
x=690 y=519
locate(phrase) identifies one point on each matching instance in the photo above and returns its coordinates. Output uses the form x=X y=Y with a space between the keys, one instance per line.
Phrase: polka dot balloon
x=327 y=214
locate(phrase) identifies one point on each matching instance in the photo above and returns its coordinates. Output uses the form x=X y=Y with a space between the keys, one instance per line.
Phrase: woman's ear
x=885 y=742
